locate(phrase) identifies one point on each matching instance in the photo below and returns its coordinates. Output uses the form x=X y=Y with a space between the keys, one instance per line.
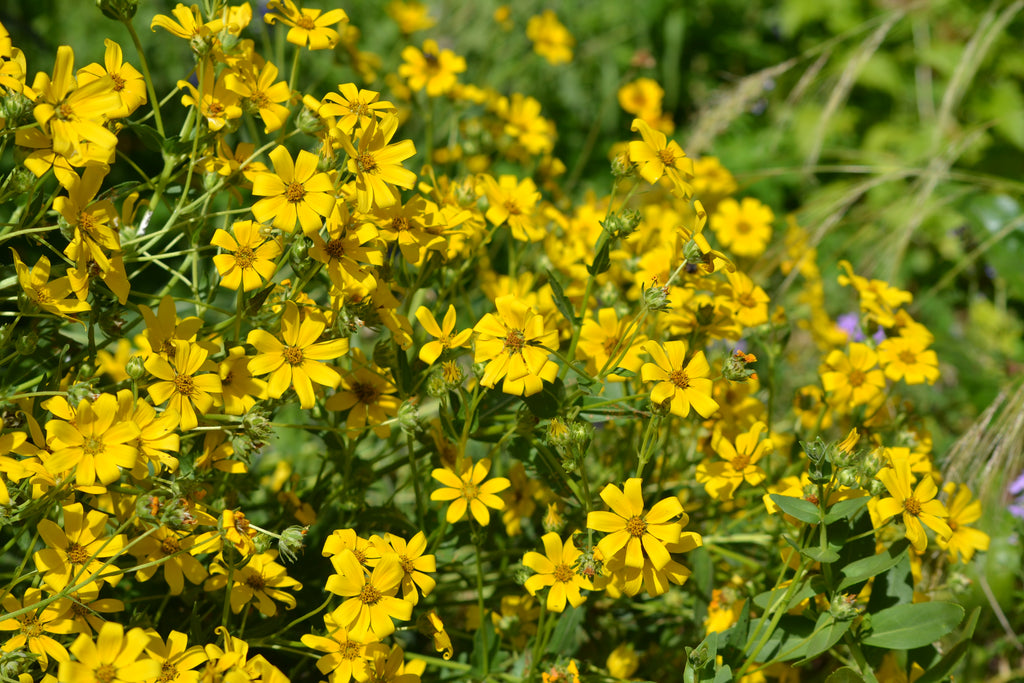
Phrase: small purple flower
x=1016 y=489
x=850 y=324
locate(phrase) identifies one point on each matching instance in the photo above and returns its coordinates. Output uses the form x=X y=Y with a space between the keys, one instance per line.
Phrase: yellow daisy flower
x=445 y=336
x=743 y=228
x=432 y=68
x=469 y=490
x=656 y=156
x=556 y=572
x=514 y=345
x=296 y=362
x=371 y=603
x=96 y=443
x=738 y=463
x=683 y=384
x=294 y=193
x=180 y=383
x=918 y=506
x=250 y=258
x=377 y=164
x=308 y=27
x=642 y=535
x=115 y=657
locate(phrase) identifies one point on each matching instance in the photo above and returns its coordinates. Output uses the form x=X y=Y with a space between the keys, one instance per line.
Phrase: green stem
x=146 y=77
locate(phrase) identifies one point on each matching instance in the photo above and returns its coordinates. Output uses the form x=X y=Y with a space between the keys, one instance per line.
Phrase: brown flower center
x=740 y=462
x=118 y=82
x=305 y=22
x=912 y=506
x=515 y=340
x=351 y=650
x=77 y=554
x=407 y=565
x=93 y=446
x=743 y=227
x=244 y=258
x=294 y=193
x=512 y=207
x=563 y=573
x=857 y=378
x=369 y=595
x=30 y=627
x=256 y=581
x=184 y=385
x=679 y=378
x=636 y=526
x=469 y=490
x=367 y=164
x=169 y=546
x=335 y=249
x=907 y=357
x=400 y=224
x=292 y=355
x=168 y=672
x=666 y=156
x=365 y=392
x=64 y=112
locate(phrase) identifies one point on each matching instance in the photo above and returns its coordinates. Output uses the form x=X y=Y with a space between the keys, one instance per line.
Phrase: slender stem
x=154 y=100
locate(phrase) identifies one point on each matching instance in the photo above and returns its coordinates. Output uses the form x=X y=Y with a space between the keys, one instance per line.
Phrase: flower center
x=255 y=581
x=292 y=355
x=469 y=490
x=118 y=82
x=407 y=565
x=351 y=650
x=92 y=446
x=740 y=462
x=169 y=546
x=64 y=112
x=105 y=673
x=365 y=392
x=857 y=378
x=30 y=626
x=912 y=506
x=168 y=672
x=184 y=385
x=41 y=296
x=77 y=554
x=679 y=378
x=907 y=356
x=244 y=258
x=515 y=340
x=512 y=207
x=335 y=249
x=743 y=227
x=294 y=192
x=369 y=595
x=666 y=156
x=366 y=163
x=563 y=573
x=400 y=224
x=636 y=526
x=214 y=109
x=306 y=22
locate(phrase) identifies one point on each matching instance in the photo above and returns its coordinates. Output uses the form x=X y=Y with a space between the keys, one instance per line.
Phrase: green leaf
x=823 y=555
x=623 y=372
x=562 y=302
x=845 y=509
x=865 y=568
x=809 y=589
x=602 y=260
x=724 y=675
x=485 y=643
x=845 y=675
x=894 y=587
x=150 y=138
x=942 y=668
x=827 y=633
x=736 y=636
x=788 y=641
x=568 y=634
x=904 y=627
x=804 y=510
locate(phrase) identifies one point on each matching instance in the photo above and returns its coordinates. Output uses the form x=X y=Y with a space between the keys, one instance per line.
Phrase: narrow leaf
x=905 y=627
x=804 y=510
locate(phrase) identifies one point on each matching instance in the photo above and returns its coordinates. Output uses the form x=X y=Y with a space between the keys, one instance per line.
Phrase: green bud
x=848 y=477
x=20 y=180
x=736 y=369
x=135 y=367
x=309 y=122
x=292 y=542
x=257 y=426
x=844 y=607
x=875 y=487
x=211 y=181
x=263 y=542
x=16 y=109
x=622 y=167
x=559 y=434
x=520 y=574
x=453 y=374
x=656 y=298
x=622 y=224
x=385 y=353
x=81 y=391
x=25 y=344
x=588 y=566
x=13 y=664
x=118 y=10
x=298 y=255
x=408 y=417
x=436 y=386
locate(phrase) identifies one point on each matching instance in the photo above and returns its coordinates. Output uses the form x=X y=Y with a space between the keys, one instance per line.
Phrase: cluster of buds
x=570 y=437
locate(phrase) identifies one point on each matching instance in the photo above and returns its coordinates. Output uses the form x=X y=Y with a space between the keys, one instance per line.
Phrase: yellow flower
x=354 y=107
x=433 y=68
x=172 y=551
x=346 y=657
x=712 y=180
x=76 y=552
x=642 y=535
x=261 y=578
x=215 y=102
x=295 y=362
x=239 y=389
x=750 y=301
x=378 y=165
x=556 y=572
x=368 y=394
x=852 y=380
x=187 y=23
x=93 y=233
x=48 y=295
x=371 y=603
x=605 y=340
x=308 y=26
x=128 y=83
x=254 y=82
x=411 y=226
x=909 y=359
x=515 y=344
x=445 y=336
x=181 y=384
x=294 y=192
x=176 y=659
x=410 y=16
x=622 y=662
x=250 y=261
x=115 y=657
x=964 y=540
x=642 y=98
x=467 y=489
x=878 y=299
x=415 y=564
x=684 y=384
x=917 y=506
x=743 y=228
x=551 y=40
x=95 y=443
x=738 y=464
x=513 y=202
x=32 y=627
x=72 y=115
x=656 y=156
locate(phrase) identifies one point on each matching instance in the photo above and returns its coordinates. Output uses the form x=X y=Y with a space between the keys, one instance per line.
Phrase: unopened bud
x=292 y=542
x=135 y=367
x=735 y=368
x=25 y=344
x=844 y=607
x=655 y=298
x=118 y=10
x=263 y=542
x=408 y=417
